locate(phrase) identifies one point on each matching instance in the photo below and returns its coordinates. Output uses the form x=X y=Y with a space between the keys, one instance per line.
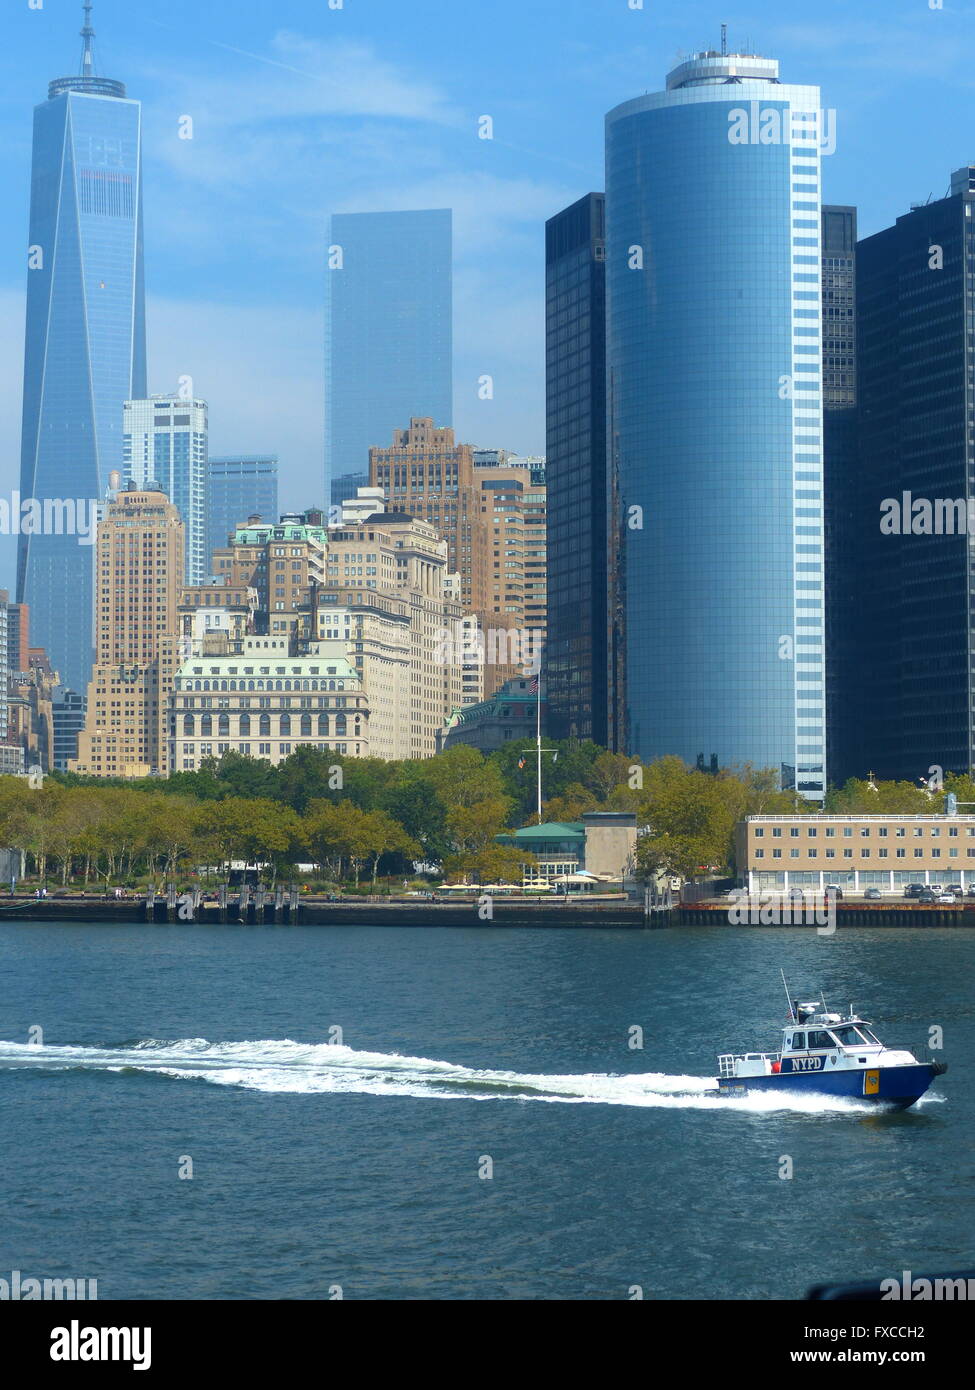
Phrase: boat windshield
x=848 y=1036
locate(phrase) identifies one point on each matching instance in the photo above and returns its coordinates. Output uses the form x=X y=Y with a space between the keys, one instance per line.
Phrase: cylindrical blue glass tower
x=714 y=384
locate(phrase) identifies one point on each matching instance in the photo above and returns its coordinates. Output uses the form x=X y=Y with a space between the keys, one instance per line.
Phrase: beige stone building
x=30 y=714
x=388 y=597
x=854 y=852
x=216 y=607
x=139 y=558
x=254 y=696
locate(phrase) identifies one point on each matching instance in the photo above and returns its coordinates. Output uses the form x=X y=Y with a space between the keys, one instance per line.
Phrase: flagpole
x=538 y=736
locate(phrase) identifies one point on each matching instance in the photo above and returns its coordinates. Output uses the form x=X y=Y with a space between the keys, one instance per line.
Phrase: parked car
x=971 y=892
x=835 y=889
x=945 y=898
x=956 y=890
x=926 y=896
x=872 y=893
x=913 y=890
x=936 y=888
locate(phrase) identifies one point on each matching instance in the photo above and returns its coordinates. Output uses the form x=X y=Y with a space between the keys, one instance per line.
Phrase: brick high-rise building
x=280 y=560
x=423 y=473
x=139 y=553
x=513 y=502
x=454 y=487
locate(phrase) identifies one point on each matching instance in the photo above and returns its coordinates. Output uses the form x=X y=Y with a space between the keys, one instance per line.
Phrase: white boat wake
x=283 y=1066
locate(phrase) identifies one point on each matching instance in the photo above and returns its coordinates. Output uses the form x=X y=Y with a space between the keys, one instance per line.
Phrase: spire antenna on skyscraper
x=87 y=33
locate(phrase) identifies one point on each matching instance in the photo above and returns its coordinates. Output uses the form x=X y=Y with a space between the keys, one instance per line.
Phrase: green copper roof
x=552 y=830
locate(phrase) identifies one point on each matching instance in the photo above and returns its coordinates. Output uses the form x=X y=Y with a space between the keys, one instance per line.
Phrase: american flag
x=533 y=685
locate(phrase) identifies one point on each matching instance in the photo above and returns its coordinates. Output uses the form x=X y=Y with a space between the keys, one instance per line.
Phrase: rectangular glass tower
x=388 y=332
x=578 y=653
x=164 y=442
x=914 y=624
x=239 y=486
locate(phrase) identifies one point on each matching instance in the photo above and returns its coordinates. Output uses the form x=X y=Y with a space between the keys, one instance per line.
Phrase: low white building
x=256 y=699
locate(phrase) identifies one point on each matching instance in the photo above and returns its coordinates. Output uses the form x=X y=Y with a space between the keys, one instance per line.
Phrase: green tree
x=462 y=776
x=414 y=802
x=492 y=864
x=858 y=797
x=571 y=805
x=690 y=818
x=221 y=830
x=270 y=833
x=387 y=836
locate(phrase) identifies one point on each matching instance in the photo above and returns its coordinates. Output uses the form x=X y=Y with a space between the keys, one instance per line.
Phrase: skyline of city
x=727 y=294
x=494 y=492
x=538 y=163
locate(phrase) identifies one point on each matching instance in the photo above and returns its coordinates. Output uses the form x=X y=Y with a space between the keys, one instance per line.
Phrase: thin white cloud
x=338 y=79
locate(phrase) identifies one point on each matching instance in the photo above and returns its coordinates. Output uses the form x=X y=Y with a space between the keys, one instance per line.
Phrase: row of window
x=900 y=831
x=303 y=721
x=264 y=685
x=864 y=854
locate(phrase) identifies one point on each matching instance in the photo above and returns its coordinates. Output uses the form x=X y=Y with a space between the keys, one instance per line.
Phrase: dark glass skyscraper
x=85 y=351
x=579 y=649
x=714 y=388
x=916 y=445
x=388 y=332
x=840 y=480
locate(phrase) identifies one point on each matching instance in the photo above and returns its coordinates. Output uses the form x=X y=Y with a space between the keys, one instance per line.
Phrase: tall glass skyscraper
x=579 y=651
x=165 y=441
x=913 y=630
x=388 y=332
x=715 y=411
x=239 y=486
x=844 y=597
x=85 y=351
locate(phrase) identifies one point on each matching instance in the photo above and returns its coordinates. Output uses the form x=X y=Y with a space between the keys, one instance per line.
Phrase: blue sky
x=300 y=110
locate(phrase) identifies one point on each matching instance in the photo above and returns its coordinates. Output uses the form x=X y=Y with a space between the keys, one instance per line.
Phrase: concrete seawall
x=507 y=912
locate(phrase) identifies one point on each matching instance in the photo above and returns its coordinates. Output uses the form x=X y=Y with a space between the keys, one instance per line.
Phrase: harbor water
x=468 y=1113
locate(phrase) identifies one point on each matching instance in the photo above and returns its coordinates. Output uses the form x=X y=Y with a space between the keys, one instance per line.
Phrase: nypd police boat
x=830 y=1054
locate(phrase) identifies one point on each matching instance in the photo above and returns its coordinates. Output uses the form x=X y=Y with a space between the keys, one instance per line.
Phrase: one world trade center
x=85 y=350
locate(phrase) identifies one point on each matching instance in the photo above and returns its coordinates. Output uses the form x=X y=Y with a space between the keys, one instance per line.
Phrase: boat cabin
x=814 y=1040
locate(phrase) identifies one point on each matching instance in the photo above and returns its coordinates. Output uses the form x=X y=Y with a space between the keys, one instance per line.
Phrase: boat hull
x=896 y=1087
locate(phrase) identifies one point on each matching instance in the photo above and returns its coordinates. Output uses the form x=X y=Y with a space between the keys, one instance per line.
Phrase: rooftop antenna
x=87 y=33
x=724 y=40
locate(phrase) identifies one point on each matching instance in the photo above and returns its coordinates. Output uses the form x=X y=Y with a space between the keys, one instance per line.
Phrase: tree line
x=362 y=817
